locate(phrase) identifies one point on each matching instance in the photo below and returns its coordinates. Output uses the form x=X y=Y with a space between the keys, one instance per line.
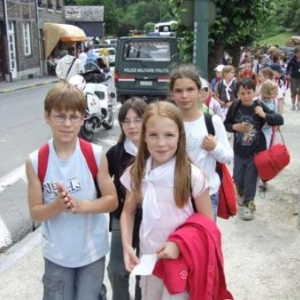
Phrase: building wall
x=36 y=12
x=19 y=12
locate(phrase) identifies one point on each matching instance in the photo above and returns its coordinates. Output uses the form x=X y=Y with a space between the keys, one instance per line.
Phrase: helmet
x=78 y=81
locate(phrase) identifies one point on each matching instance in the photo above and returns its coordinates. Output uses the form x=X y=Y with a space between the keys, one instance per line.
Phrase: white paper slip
x=146 y=265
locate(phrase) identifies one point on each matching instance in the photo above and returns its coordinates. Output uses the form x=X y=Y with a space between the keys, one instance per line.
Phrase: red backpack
x=227 y=192
x=87 y=151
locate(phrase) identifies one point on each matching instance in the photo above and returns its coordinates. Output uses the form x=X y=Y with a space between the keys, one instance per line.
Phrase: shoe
x=293 y=107
x=240 y=200
x=247 y=212
x=263 y=185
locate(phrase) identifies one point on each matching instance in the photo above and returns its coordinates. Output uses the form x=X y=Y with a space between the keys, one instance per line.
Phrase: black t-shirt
x=247 y=144
x=118 y=160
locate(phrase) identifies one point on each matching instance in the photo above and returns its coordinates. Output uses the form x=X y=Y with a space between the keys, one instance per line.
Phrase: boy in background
x=246 y=118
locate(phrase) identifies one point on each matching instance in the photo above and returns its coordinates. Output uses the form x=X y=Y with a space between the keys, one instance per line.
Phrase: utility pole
x=201 y=26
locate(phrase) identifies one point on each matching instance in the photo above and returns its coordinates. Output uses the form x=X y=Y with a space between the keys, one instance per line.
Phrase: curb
x=28 y=86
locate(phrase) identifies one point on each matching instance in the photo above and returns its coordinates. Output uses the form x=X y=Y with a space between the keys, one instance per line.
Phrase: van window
x=147 y=51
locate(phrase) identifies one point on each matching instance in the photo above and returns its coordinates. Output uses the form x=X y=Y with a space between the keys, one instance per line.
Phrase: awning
x=54 y=32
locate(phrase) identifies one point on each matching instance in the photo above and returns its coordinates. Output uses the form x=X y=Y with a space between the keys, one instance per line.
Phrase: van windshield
x=147 y=51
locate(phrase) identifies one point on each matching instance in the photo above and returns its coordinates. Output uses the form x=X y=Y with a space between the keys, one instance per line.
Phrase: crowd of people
x=159 y=182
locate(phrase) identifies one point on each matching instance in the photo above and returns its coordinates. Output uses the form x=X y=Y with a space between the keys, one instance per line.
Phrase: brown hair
x=138 y=105
x=64 y=96
x=182 y=177
x=184 y=71
x=267 y=72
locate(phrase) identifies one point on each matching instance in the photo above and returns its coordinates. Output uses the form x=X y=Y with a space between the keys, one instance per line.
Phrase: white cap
x=204 y=84
x=219 y=68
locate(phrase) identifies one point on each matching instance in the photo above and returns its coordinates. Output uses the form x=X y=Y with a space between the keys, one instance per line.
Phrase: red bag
x=271 y=161
x=227 y=193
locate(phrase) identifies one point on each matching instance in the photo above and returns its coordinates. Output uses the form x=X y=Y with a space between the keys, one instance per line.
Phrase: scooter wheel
x=86 y=135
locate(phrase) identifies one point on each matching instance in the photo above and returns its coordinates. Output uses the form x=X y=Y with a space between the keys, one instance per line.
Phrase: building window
x=58 y=6
x=49 y=4
x=27 y=39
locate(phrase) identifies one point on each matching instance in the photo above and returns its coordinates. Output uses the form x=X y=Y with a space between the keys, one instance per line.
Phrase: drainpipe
x=39 y=39
x=8 y=76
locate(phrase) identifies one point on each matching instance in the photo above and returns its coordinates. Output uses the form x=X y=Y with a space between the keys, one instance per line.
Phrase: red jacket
x=199 y=268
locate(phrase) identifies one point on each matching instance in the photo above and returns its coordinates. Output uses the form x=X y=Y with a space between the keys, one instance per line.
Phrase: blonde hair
x=65 y=96
x=227 y=69
x=182 y=177
x=268 y=89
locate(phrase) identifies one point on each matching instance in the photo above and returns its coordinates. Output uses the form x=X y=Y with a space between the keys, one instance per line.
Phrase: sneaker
x=240 y=200
x=293 y=107
x=247 y=213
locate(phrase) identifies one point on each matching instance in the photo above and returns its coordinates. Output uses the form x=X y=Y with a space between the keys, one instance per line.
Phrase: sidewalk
x=6 y=87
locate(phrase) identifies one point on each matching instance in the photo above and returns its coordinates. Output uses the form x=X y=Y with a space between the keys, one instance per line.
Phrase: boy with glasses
x=74 y=227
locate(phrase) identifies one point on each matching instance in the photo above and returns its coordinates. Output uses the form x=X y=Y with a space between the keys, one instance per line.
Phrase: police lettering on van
x=142 y=66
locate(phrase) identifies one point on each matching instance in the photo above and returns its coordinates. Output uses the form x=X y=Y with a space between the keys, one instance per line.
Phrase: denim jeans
x=83 y=283
x=117 y=274
x=245 y=177
x=215 y=203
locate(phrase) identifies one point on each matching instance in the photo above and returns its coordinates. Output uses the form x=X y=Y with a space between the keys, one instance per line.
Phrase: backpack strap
x=43 y=155
x=209 y=124
x=88 y=153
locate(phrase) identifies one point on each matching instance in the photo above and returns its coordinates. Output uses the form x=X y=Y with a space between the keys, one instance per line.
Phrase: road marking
x=12 y=177
x=5 y=236
x=12 y=256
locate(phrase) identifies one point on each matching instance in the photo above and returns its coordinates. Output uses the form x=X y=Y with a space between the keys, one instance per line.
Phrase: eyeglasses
x=63 y=118
x=135 y=121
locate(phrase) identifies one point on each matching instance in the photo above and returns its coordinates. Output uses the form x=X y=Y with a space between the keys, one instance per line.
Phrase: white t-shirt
x=195 y=133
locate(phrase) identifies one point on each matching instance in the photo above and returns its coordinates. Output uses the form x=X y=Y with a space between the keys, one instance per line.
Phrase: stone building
x=21 y=36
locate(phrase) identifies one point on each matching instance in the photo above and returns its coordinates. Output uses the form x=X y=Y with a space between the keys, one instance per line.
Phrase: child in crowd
x=268 y=92
x=263 y=75
x=119 y=157
x=204 y=149
x=163 y=179
x=74 y=227
x=246 y=119
x=277 y=75
x=225 y=90
x=208 y=104
x=218 y=76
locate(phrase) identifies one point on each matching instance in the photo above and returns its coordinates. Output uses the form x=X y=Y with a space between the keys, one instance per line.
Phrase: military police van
x=142 y=66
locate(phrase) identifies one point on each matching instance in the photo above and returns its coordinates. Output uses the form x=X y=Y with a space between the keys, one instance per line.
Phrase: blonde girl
x=162 y=179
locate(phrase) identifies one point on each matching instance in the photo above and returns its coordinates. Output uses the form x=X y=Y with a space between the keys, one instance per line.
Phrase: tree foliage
x=237 y=23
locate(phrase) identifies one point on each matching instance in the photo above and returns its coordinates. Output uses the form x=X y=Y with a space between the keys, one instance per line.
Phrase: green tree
x=237 y=24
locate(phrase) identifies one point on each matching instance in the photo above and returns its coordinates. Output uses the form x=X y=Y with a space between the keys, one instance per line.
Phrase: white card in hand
x=146 y=265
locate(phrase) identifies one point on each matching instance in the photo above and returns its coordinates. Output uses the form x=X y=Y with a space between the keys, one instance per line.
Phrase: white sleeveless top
x=72 y=240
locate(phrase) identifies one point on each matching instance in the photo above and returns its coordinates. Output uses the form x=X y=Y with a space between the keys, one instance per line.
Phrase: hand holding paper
x=146 y=265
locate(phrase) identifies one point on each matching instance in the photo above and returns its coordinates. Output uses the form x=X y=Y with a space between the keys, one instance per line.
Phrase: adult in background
x=69 y=65
x=293 y=74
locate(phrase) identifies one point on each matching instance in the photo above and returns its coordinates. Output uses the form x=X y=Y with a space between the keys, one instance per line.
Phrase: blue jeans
x=117 y=274
x=83 y=283
x=215 y=203
x=245 y=177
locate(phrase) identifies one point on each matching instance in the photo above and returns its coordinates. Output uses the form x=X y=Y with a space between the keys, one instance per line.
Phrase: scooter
x=101 y=100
